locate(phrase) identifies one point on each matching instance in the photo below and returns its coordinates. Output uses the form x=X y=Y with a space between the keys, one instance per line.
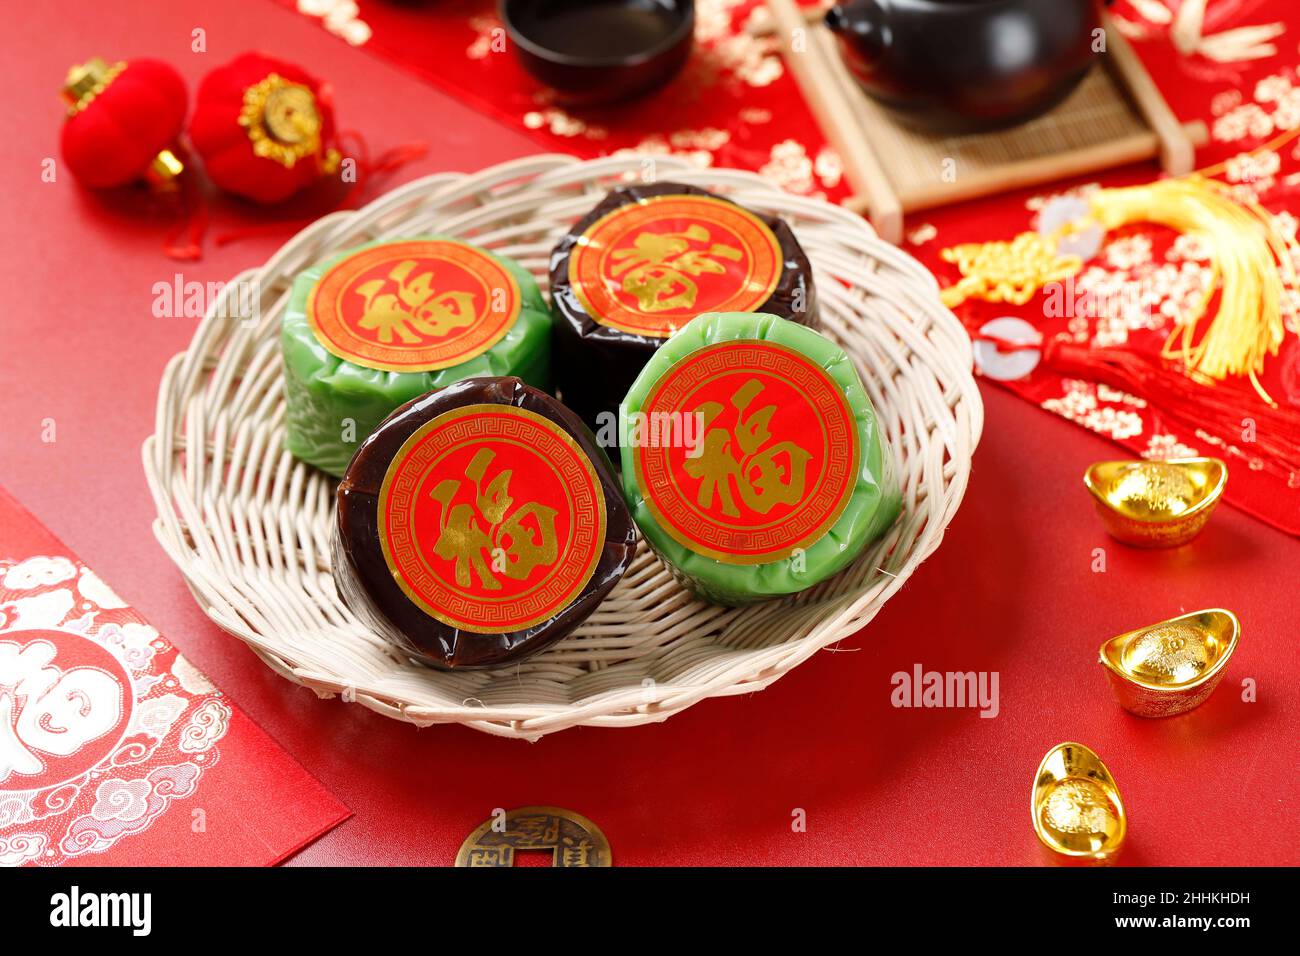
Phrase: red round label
x=413 y=306
x=491 y=518
x=65 y=705
x=770 y=458
x=650 y=267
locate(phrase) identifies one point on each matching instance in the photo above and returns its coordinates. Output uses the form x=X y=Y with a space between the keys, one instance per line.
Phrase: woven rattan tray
x=247 y=524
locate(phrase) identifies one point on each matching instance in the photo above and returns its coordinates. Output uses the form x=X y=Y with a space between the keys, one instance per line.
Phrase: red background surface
x=1010 y=590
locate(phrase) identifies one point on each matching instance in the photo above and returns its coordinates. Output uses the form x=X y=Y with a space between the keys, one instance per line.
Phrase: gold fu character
x=763 y=476
x=415 y=309
x=487 y=538
x=655 y=270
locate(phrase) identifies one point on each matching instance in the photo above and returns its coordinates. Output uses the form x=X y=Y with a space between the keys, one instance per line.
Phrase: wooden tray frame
x=845 y=116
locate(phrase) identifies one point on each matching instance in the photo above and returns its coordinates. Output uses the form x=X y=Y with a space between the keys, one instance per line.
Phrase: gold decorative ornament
x=1076 y=807
x=1156 y=504
x=283 y=123
x=1010 y=272
x=1171 y=667
x=1250 y=259
x=572 y=839
x=87 y=80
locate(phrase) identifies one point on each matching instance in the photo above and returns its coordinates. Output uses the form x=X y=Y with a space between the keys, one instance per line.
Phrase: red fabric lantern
x=264 y=127
x=123 y=121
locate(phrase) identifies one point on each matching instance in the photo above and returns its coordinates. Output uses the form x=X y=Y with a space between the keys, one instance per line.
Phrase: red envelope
x=114 y=749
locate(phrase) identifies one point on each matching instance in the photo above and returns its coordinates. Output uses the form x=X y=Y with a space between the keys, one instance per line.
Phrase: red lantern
x=123 y=121
x=264 y=127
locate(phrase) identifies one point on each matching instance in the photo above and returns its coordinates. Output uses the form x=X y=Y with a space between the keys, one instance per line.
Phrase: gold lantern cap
x=87 y=80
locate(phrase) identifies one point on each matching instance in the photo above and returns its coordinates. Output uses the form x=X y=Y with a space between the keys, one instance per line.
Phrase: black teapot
x=960 y=66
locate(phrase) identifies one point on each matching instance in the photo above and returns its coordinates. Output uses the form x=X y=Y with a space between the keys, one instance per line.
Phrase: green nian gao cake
x=752 y=458
x=378 y=325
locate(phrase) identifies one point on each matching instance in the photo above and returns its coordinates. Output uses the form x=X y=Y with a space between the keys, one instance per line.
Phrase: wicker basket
x=247 y=524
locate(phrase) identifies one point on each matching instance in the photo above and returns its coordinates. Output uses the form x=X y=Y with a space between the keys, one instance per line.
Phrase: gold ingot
x=1076 y=806
x=1171 y=667
x=1156 y=504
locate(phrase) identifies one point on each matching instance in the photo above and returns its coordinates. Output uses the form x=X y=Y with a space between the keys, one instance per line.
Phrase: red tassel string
x=1219 y=412
x=366 y=170
x=185 y=242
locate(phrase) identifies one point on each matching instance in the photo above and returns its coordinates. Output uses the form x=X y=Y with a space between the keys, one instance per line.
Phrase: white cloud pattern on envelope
x=39 y=572
x=123 y=807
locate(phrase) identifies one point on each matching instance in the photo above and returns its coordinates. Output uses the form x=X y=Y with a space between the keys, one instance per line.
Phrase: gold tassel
x=1248 y=254
x=1250 y=262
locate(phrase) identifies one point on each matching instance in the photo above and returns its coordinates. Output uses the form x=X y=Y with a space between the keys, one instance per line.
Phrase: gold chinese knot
x=488 y=538
x=572 y=839
x=405 y=306
x=1006 y=271
x=764 y=475
x=656 y=269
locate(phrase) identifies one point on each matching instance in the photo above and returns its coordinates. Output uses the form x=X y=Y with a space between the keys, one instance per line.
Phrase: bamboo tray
x=1115 y=117
x=248 y=525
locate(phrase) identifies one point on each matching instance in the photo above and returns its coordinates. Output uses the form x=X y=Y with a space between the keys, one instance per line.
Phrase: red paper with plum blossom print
x=1229 y=63
x=114 y=749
